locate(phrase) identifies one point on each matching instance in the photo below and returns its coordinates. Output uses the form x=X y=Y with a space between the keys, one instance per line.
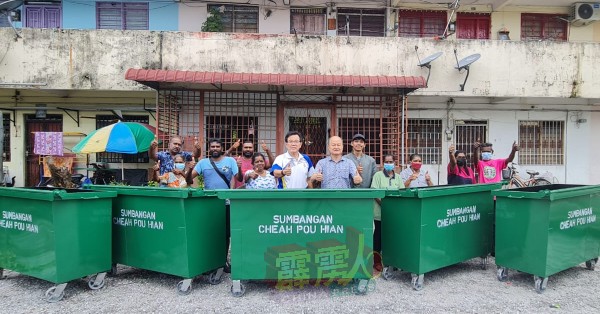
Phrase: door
x=314 y=123
x=467 y=132
x=52 y=123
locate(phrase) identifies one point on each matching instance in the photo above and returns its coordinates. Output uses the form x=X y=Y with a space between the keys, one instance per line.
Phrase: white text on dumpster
x=18 y=221
x=138 y=219
x=459 y=215
x=578 y=217
x=306 y=224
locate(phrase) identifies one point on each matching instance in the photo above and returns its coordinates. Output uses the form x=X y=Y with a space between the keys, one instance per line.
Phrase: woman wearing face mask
x=384 y=179
x=458 y=171
x=412 y=176
x=174 y=179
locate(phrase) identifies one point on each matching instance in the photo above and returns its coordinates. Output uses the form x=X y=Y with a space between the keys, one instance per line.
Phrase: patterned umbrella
x=120 y=137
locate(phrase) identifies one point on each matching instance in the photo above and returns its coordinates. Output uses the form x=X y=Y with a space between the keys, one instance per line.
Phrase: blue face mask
x=388 y=167
x=486 y=155
x=179 y=166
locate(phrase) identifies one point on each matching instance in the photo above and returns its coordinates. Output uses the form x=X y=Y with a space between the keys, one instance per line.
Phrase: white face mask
x=179 y=165
x=486 y=155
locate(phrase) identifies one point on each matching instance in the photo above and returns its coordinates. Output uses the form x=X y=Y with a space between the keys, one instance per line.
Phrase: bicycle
x=515 y=180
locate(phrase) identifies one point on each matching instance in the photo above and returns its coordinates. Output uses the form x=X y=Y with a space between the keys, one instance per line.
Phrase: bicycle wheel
x=538 y=182
x=514 y=184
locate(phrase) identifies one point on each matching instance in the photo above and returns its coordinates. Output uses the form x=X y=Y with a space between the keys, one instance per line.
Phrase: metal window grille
x=308 y=21
x=122 y=15
x=104 y=120
x=424 y=137
x=179 y=114
x=238 y=18
x=466 y=133
x=6 y=146
x=421 y=23
x=543 y=26
x=541 y=142
x=361 y=22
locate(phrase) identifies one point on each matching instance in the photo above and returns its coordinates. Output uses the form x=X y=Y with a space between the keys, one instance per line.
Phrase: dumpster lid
x=551 y=192
x=53 y=194
x=300 y=193
x=153 y=191
x=443 y=190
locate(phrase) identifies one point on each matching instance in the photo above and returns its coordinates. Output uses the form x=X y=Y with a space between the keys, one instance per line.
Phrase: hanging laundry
x=48 y=143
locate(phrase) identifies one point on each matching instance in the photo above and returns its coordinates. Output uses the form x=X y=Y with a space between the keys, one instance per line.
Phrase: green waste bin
x=543 y=230
x=294 y=237
x=179 y=232
x=424 y=229
x=56 y=235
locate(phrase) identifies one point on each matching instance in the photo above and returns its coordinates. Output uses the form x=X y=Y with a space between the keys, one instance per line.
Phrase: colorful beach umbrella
x=120 y=137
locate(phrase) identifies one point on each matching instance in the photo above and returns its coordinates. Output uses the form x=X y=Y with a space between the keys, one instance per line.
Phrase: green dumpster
x=56 y=235
x=295 y=236
x=543 y=230
x=179 y=232
x=424 y=229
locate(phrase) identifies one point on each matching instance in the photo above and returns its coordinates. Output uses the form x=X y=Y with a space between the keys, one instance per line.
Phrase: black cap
x=359 y=136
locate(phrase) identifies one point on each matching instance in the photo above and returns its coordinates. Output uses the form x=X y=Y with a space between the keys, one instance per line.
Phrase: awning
x=161 y=79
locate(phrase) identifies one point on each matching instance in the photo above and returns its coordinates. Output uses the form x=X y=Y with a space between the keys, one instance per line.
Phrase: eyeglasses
x=294 y=142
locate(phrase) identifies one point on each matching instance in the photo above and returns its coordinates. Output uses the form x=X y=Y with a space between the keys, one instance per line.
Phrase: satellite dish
x=464 y=64
x=466 y=61
x=6 y=7
x=9 y=5
x=427 y=62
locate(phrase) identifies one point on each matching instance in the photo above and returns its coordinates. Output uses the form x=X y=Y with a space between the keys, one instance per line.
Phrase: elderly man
x=165 y=158
x=336 y=171
x=365 y=164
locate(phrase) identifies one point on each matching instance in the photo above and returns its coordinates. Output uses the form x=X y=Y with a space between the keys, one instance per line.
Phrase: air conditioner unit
x=584 y=13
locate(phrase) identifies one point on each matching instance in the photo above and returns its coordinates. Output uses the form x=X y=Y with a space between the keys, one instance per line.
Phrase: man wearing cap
x=364 y=163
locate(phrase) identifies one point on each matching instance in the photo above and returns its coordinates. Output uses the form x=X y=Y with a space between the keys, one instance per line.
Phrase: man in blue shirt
x=165 y=158
x=336 y=171
x=218 y=172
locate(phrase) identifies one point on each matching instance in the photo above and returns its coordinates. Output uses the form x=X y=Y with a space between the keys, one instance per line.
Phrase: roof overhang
x=270 y=82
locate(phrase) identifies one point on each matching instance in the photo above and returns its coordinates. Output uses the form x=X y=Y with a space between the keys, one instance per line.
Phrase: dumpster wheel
x=591 y=264
x=1 y=273
x=388 y=272
x=97 y=281
x=540 y=283
x=417 y=281
x=56 y=293
x=216 y=277
x=237 y=288
x=184 y=287
x=363 y=286
x=484 y=263
x=502 y=273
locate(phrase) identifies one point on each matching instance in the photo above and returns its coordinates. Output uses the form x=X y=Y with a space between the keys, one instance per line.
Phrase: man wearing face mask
x=458 y=171
x=490 y=170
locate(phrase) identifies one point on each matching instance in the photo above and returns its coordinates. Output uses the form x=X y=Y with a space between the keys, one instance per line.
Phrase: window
x=104 y=120
x=238 y=18
x=424 y=137
x=472 y=26
x=541 y=142
x=122 y=15
x=308 y=21
x=43 y=16
x=6 y=146
x=543 y=27
x=361 y=22
x=421 y=23
x=231 y=128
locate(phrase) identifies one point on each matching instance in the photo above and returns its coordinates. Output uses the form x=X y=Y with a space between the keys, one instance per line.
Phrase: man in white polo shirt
x=292 y=169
